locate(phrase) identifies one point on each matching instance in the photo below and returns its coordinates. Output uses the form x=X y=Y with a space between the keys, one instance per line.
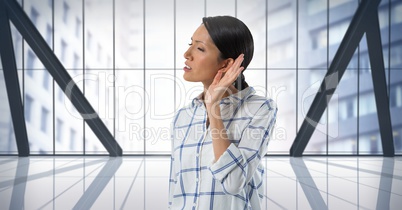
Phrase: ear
x=226 y=64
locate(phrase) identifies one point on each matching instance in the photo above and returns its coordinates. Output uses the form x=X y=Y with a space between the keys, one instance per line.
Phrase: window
x=63 y=50
x=28 y=107
x=46 y=82
x=66 y=10
x=44 y=118
x=49 y=34
x=30 y=63
x=333 y=4
x=73 y=134
x=275 y=31
x=99 y=55
x=34 y=15
x=350 y=109
x=383 y=18
x=280 y=17
x=364 y=62
x=367 y=104
x=76 y=62
x=280 y=51
x=396 y=56
x=337 y=32
x=89 y=40
x=316 y=6
x=396 y=14
x=60 y=95
x=59 y=130
x=396 y=96
x=319 y=39
x=78 y=25
x=398 y=139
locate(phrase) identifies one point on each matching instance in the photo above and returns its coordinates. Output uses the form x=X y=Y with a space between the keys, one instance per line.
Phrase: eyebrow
x=198 y=41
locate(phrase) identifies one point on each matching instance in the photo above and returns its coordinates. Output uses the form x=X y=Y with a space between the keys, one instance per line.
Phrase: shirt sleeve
x=237 y=165
x=172 y=176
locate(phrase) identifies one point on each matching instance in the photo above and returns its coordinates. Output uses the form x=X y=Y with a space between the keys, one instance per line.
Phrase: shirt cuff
x=230 y=159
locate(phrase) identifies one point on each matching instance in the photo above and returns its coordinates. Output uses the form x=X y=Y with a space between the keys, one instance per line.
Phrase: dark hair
x=232 y=37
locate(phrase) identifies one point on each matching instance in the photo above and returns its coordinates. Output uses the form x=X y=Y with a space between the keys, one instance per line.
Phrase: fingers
x=217 y=78
x=235 y=69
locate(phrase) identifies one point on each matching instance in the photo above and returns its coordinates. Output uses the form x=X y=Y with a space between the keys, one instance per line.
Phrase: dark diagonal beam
x=374 y=46
x=12 y=83
x=359 y=25
x=61 y=76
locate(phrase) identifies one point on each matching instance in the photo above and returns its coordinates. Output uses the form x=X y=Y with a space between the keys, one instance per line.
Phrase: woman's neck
x=231 y=90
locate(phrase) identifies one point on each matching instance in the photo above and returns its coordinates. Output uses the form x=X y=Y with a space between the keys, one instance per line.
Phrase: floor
x=142 y=183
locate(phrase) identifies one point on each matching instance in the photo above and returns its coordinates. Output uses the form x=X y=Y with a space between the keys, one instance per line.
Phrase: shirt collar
x=232 y=99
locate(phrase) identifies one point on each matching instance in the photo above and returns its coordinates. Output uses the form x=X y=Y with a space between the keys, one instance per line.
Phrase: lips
x=187 y=68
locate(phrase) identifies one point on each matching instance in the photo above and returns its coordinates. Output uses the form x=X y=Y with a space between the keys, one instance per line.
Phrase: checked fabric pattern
x=235 y=180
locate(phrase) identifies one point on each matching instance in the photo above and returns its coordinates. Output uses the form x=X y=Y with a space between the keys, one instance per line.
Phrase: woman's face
x=202 y=58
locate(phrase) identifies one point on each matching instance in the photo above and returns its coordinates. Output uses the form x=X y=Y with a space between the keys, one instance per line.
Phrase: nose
x=187 y=54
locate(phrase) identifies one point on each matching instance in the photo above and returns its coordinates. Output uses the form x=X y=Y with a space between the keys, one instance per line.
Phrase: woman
x=218 y=140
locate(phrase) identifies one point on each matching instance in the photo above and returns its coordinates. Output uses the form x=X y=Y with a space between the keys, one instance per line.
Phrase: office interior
x=126 y=58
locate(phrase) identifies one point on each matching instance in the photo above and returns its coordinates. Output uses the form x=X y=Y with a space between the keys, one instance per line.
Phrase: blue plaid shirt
x=235 y=180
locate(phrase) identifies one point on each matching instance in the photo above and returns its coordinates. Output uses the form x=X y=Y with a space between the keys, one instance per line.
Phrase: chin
x=187 y=78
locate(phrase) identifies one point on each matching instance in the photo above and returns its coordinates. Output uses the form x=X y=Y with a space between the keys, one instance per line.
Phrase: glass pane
x=256 y=78
x=312 y=40
x=282 y=89
x=369 y=133
x=130 y=110
x=129 y=36
x=159 y=34
x=342 y=112
x=395 y=37
x=281 y=52
x=160 y=111
x=98 y=34
x=38 y=83
x=99 y=92
x=396 y=56
x=340 y=15
x=38 y=87
x=8 y=143
x=223 y=7
x=308 y=85
x=252 y=13
x=68 y=121
x=395 y=98
x=18 y=47
x=68 y=37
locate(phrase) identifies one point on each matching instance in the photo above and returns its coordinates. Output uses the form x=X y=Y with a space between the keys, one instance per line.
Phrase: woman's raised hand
x=222 y=81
